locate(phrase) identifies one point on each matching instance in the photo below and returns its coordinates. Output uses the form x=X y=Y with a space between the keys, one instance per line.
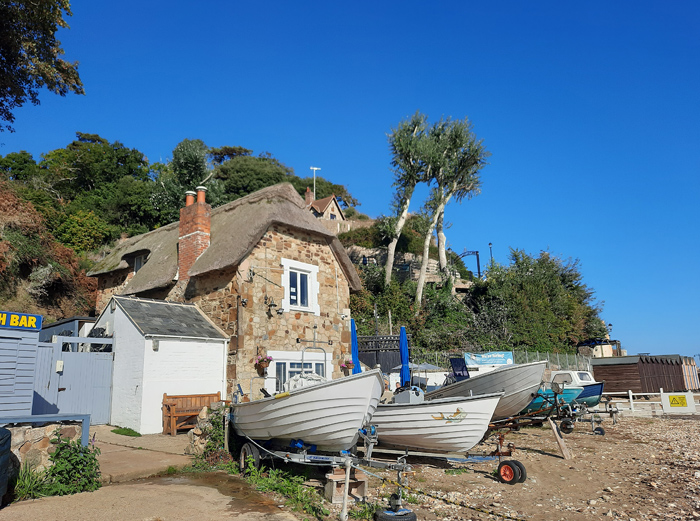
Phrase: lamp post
x=491 y=252
x=314 y=169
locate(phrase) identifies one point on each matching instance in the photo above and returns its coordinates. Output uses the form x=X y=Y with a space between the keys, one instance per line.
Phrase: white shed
x=159 y=347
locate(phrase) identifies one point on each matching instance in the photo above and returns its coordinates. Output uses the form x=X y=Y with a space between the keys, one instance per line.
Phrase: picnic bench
x=181 y=411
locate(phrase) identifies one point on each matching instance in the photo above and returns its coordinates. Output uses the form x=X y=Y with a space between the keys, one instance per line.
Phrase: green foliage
x=190 y=163
x=243 y=175
x=83 y=231
x=75 y=468
x=31 y=55
x=28 y=484
x=215 y=456
x=291 y=486
x=126 y=431
x=363 y=510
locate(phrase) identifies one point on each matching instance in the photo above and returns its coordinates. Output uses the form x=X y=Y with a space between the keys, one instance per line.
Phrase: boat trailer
x=253 y=453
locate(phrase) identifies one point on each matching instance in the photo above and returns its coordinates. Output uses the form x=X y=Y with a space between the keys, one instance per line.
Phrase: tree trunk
x=391 y=251
x=442 y=243
x=426 y=251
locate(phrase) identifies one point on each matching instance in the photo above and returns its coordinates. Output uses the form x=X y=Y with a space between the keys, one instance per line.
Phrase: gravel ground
x=641 y=469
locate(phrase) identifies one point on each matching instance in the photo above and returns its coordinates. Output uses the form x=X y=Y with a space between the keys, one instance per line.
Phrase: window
x=300 y=287
x=139 y=261
x=585 y=377
x=332 y=216
x=287 y=364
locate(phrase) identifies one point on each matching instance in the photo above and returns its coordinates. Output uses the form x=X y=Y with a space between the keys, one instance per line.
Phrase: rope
x=445 y=500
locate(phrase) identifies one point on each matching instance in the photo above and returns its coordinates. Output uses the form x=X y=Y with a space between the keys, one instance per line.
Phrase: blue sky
x=590 y=110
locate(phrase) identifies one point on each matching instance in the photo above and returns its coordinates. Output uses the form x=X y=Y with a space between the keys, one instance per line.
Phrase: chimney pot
x=308 y=197
x=189 y=197
x=201 y=194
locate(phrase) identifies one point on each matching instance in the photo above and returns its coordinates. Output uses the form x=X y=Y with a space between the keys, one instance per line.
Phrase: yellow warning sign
x=678 y=400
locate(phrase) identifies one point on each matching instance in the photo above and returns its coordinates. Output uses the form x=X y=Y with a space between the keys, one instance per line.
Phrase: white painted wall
x=179 y=366
x=127 y=388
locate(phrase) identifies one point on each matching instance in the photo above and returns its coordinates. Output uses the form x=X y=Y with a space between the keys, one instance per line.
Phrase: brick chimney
x=195 y=229
x=309 y=196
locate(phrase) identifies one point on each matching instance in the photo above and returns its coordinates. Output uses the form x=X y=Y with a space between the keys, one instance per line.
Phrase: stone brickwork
x=33 y=444
x=111 y=284
x=235 y=301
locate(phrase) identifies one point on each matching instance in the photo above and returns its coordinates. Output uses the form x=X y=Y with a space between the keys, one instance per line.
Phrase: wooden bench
x=181 y=411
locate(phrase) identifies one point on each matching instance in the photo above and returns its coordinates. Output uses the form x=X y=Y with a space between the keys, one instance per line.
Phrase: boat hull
x=591 y=394
x=546 y=399
x=443 y=425
x=326 y=415
x=518 y=383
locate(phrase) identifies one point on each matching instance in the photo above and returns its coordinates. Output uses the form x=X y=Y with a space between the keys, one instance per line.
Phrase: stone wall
x=111 y=284
x=33 y=444
x=236 y=301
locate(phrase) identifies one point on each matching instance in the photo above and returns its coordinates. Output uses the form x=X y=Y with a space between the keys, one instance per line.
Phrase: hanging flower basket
x=262 y=362
x=347 y=366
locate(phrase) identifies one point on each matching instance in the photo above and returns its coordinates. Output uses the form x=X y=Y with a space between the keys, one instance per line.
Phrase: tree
x=243 y=175
x=30 y=54
x=406 y=143
x=535 y=303
x=453 y=159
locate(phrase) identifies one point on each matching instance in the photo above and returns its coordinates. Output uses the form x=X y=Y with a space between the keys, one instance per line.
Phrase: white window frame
x=286 y=357
x=313 y=288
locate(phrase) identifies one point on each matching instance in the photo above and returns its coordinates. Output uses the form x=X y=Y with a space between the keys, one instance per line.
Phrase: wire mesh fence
x=556 y=361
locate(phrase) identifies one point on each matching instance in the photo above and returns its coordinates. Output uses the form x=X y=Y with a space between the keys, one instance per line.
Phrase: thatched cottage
x=263 y=268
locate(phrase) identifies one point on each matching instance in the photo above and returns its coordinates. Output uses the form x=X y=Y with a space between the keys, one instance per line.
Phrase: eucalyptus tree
x=453 y=159
x=406 y=143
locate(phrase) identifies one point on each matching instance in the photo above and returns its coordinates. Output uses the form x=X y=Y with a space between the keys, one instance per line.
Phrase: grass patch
x=126 y=431
x=456 y=472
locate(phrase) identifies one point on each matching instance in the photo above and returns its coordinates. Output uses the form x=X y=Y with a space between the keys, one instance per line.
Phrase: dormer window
x=139 y=261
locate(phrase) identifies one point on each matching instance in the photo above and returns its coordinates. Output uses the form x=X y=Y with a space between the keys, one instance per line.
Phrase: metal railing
x=556 y=361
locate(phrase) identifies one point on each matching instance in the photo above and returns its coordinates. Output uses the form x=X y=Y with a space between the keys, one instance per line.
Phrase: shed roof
x=236 y=228
x=163 y=318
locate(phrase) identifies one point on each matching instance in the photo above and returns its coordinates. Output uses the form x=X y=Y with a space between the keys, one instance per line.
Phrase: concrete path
x=126 y=458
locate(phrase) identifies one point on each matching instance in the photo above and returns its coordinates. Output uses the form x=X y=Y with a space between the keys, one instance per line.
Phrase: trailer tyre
x=381 y=515
x=248 y=451
x=523 y=472
x=567 y=426
x=599 y=431
x=508 y=473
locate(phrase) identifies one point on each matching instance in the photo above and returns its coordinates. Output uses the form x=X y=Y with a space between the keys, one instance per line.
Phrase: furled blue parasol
x=405 y=374
x=355 y=350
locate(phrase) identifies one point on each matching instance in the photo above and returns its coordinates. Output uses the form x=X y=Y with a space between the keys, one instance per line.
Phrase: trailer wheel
x=523 y=472
x=567 y=426
x=508 y=473
x=599 y=431
x=388 y=515
x=248 y=450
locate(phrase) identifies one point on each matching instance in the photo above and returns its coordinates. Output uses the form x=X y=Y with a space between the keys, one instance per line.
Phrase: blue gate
x=73 y=382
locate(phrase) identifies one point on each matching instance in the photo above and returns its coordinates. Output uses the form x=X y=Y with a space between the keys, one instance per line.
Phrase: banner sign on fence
x=9 y=320
x=492 y=358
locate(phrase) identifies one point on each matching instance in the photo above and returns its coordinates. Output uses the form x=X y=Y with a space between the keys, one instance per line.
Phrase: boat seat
x=459 y=368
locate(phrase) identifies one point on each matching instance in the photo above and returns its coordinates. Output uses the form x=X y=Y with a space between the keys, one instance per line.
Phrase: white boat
x=518 y=383
x=327 y=415
x=443 y=425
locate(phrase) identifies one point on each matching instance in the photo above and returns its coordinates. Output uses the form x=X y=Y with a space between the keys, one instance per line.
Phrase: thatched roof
x=236 y=228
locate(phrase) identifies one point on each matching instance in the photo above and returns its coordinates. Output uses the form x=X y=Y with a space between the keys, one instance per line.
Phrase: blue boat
x=544 y=399
x=592 y=390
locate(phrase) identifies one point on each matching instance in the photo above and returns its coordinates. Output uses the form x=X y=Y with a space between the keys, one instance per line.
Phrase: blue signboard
x=9 y=320
x=492 y=358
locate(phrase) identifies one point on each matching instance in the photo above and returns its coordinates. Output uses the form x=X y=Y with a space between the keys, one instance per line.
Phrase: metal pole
x=391 y=330
x=478 y=265
x=314 y=169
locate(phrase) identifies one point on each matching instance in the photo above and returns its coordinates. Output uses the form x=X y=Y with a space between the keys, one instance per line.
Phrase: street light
x=491 y=252
x=314 y=169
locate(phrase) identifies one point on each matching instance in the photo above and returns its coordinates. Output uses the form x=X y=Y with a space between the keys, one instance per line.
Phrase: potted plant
x=261 y=362
x=347 y=366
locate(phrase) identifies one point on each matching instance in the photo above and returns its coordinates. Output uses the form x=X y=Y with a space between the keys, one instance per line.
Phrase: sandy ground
x=641 y=469
x=210 y=497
